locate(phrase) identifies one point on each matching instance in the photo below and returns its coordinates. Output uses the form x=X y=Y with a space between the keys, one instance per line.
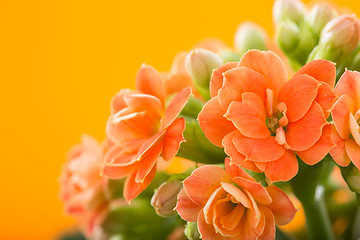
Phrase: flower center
x=272 y=123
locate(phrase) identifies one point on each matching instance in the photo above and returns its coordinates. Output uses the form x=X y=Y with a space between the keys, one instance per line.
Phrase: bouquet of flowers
x=232 y=142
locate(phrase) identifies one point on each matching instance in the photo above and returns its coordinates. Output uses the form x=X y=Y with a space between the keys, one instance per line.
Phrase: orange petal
x=148 y=162
x=282 y=169
x=173 y=138
x=259 y=150
x=212 y=122
x=349 y=84
x=325 y=98
x=340 y=115
x=217 y=77
x=232 y=220
x=298 y=94
x=354 y=129
x=338 y=153
x=149 y=81
x=203 y=182
x=149 y=144
x=269 y=229
x=186 y=208
x=267 y=64
x=223 y=208
x=255 y=189
x=132 y=189
x=236 y=157
x=247 y=232
x=281 y=206
x=321 y=70
x=174 y=83
x=353 y=150
x=119 y=163
x=237 y=193
x=144 y=102
x=117 y=101
x=304 y=133
x=207 y=231
x=238 y=81
x=209 y=207
x=236 y=171
x=253 y=214
x=249 y=116
x=319 y=150
x=175 y=107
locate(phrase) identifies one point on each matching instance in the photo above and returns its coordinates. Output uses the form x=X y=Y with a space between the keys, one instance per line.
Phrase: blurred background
x=60 y=64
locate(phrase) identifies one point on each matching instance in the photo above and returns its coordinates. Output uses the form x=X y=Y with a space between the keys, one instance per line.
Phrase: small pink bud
x=165 y=198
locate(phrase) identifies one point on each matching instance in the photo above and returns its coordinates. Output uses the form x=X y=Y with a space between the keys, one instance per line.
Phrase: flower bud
x=293 y=10
x=339 y=37
x=287 y=36
x=249 y=36
x=165 y=198
x=320 y=15
x=191 y=231
x=351 y=175
x=199 y=64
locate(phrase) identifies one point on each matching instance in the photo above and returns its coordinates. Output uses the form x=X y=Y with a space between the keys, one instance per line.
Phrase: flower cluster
x=263 y=122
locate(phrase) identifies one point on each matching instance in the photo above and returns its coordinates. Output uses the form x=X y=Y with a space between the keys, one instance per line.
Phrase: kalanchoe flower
x=142 y=128
x=346 y=117
x=82 y=186
x=229 y=204
x=262 y=119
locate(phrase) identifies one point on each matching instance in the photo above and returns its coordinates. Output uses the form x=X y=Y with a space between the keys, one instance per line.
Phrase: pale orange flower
x=82 y=187
x=262 y=119
x=346 y=117
x=229 y=204
x=142 y=128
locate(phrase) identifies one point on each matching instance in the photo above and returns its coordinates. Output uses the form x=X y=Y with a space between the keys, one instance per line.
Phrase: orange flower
x=81 y=184
x=229 y=204
x=346 y=116
x=142 y=129
x=262 y=119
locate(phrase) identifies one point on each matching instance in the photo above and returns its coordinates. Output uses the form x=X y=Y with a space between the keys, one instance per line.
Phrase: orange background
x=60 y=63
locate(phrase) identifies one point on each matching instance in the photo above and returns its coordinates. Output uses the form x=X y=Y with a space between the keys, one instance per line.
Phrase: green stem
x=197 y=147
x=309 y=188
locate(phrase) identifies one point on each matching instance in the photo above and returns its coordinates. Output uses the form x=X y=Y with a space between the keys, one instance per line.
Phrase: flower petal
x=259 y=150
x=267 y=64
x=187 y=209
x=255 y=189
x=217 y=77
x=144 y=102
x=148 y=162
x=338 y=153
x=236 y=171
x=207 y=231
x=319 y=150
x=203 y=182
x=119 y=163
x=249 y=116
x=132 y=189
x=237 y=193
x=232 y=220
x=212 y=122
x=208 y=209
x=321 y=70
x=238 y=81
x=118 y=102
x=340 y=114
x=281 y=206
x=173 y=138
x=304 y=133
x=149 y=81
x=349 y=84
x=269 y=229
x=298 y=94
x=325 y=98
x=282 y=169
x=175 y=106
x=354 y=128
x=353 y=150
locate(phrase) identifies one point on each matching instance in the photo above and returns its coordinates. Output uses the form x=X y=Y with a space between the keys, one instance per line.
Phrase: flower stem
x=309 y=188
